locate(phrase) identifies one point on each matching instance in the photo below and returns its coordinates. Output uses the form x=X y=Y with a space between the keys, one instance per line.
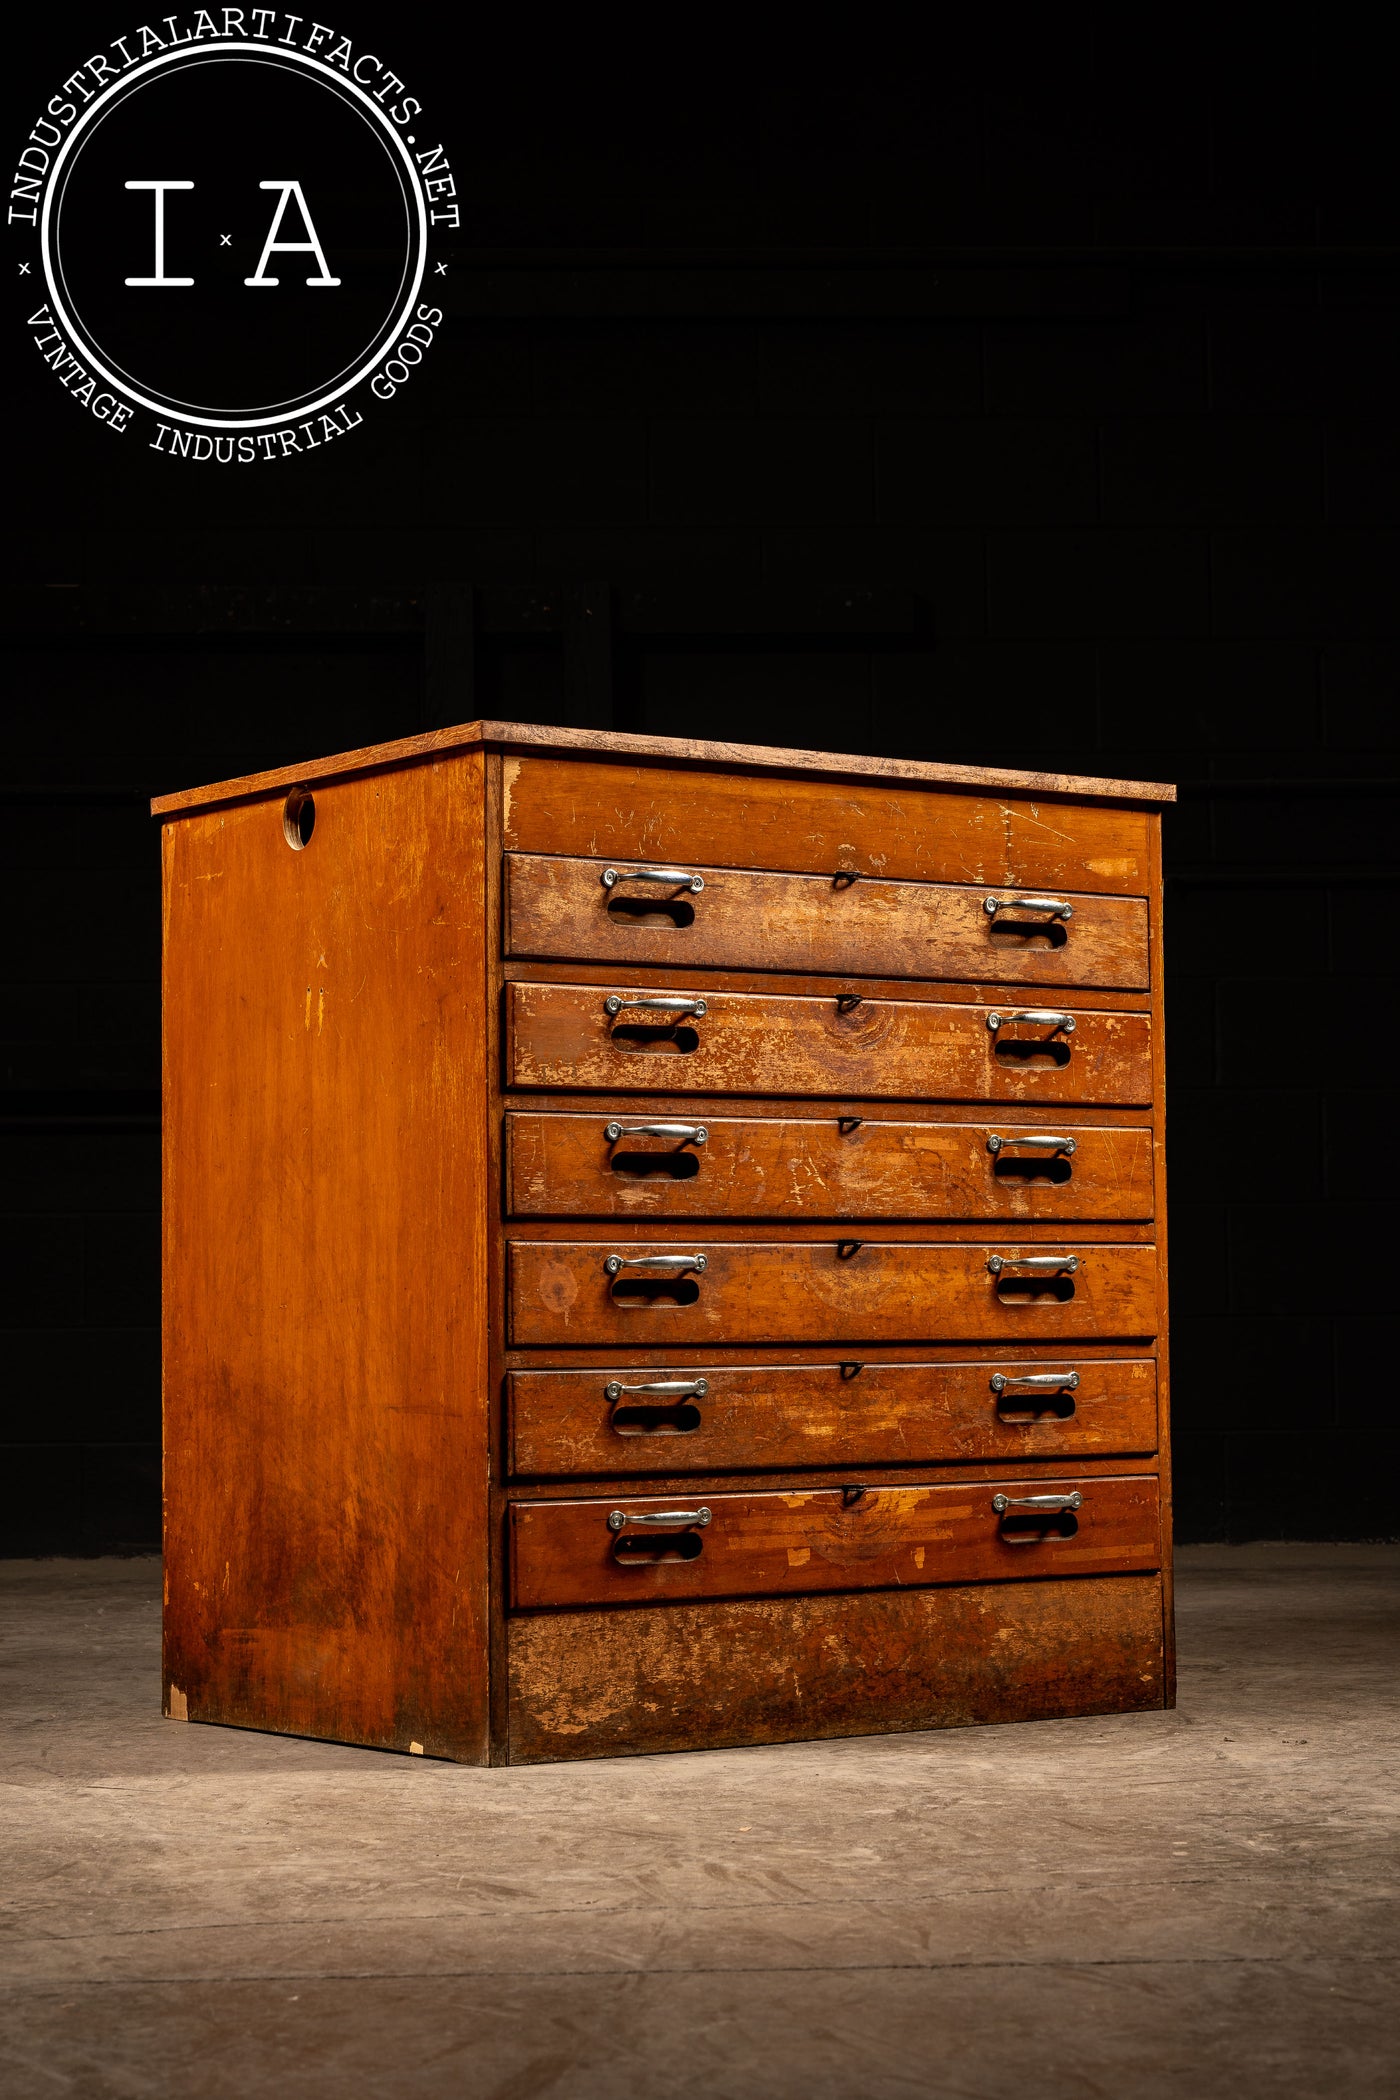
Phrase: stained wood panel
x=848 y=1413
x=561 y=1035
x=812 y=1291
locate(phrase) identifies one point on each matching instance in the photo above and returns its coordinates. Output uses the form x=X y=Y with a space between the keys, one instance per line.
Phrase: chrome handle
x=676 y=878
x=1059 y=1381
x=1049 y=1503
x=680 y=1388
x=695 y=1133
x=615 y=1262
x=665 y=1002
x=1033 y=1013
x=1025 y=1139
x=1047 y=1263
x=677 y=1519
x=992 y=905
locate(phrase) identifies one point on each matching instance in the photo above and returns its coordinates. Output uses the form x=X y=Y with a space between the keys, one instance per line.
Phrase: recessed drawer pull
x=1038 y=1264
x=665 y=1002
x=692 y=1133
x=615 y=1262
x=992 y=905
x=1048 y=1505
x=1025 y=1139
x=674 y=878
x=1038 y=1381
x=1034 y=1014
x=672 y=1388
x=669 y=1519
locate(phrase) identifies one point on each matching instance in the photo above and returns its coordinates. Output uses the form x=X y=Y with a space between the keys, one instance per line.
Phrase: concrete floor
x=1201 y=1902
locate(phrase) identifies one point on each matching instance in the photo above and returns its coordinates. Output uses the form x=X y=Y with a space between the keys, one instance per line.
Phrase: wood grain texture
x=531 y=736
x=879 y=827
x=792 y=1415
x=560 y=1036
x=788 y=1669
x=809 y=1167
x=804 y=1291
x=325 y=1319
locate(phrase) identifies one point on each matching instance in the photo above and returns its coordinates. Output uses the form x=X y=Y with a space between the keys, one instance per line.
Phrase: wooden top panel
x=529 y=736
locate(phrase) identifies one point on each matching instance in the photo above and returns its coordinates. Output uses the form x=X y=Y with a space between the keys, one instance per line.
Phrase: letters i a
x=272 y=246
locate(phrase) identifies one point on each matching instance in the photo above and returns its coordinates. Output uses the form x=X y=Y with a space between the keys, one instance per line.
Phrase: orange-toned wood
x=325 y=1320
x=828 y=1538
x=808 y=1167
x=876 y=827
x=812 y=1291
x=747 y=919
x=561 y=1036
x=832 y=1414
x=863 y=1662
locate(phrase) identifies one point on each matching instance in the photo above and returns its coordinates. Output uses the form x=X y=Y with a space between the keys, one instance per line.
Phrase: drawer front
x=824 y=1290
x=562 y=1035
x=854 y=1662
x=613 y=1551
x=899 y=831
x=712 y=1420
x=828 y=1167
x=747 y=919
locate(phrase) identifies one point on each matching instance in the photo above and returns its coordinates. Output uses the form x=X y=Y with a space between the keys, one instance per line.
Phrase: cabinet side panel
x=325 y=1319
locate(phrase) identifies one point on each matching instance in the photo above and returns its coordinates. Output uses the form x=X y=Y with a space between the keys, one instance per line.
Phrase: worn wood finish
x=807 y=1167
x=325 y=1323
x=828 y=1538
x=833 y=1414
x=752 y=919
x=789 y=1669
x=808 y=1291
x=530 y=736
x=560 y=1036
x=878 y=827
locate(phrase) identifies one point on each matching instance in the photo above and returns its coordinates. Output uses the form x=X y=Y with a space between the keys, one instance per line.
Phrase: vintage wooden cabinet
x=664 y=1246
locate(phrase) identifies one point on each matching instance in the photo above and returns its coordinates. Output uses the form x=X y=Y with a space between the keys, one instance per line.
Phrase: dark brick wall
x=1102 y=478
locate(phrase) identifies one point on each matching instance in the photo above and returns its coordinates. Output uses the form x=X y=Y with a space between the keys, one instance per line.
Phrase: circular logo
x=234 y=236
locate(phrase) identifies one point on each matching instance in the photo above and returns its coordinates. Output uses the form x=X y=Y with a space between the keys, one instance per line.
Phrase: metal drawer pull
x=665 y=1002
x=694 y=1133
x=676 y=1519
x=1026 y=1139
x=1050 y=1504
x=1058 y=1381
x=1057 y=905
x=1033 y=1013
x=615 y=1262
x=676 y=878
x=675 y=1388
x=1050 y=1264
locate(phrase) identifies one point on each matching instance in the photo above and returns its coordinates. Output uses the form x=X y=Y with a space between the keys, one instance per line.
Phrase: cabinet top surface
x=533 y=738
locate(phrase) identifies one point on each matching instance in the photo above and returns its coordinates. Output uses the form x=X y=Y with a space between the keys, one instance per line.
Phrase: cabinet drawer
x=563 y=1035
x=655 y=1297
x=639 y=1549
x=711 y=1420
x=828 y=1167
x=754 y=919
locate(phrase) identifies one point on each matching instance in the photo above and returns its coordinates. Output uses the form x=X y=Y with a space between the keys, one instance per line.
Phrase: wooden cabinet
x=664 y=1246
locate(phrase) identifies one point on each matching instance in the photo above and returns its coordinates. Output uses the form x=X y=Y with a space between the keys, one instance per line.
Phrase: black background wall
x=1029 y=400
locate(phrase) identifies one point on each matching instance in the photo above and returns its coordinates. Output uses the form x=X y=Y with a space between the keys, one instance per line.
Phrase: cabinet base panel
x=797 y=1669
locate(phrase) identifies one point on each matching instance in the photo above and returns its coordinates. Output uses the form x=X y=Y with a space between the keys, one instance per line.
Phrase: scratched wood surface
x=809 y=1291
x=810 y=1167
x=325 y=1326
x=879 y=827
x=850 y=1413
x=746 y=919
x=828 y=1538
x=561 y=1036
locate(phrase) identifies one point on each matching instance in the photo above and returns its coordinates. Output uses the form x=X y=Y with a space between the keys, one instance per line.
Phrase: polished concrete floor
x=1202 y=1902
